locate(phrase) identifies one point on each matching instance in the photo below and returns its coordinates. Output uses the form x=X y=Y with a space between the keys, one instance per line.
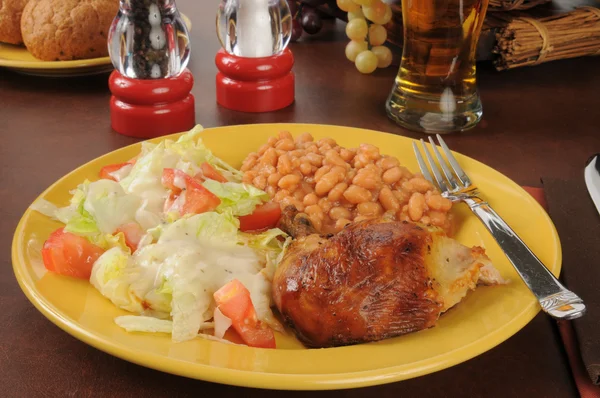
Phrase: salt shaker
x=255 y=65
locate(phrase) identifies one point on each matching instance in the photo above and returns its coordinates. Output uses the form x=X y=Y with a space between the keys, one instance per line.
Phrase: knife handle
x=554 y=298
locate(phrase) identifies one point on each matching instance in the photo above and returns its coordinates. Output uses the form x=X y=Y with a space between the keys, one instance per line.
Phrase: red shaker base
x=151 y=108
x=255 y=84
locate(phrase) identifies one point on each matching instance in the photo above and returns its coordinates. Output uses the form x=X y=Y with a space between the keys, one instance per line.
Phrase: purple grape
x=311 y=21
x=296 y=30
x=314 y=3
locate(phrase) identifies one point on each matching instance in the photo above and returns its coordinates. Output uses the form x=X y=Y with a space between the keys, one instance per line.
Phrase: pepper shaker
x=149 y=46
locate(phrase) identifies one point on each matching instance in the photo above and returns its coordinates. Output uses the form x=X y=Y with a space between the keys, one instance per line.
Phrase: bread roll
x=58 y=30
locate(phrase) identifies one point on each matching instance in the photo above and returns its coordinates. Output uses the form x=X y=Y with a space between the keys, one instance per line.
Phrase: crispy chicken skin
x=373 y=280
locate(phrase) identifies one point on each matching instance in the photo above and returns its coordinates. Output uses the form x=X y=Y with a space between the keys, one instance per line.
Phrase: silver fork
x=553 y=297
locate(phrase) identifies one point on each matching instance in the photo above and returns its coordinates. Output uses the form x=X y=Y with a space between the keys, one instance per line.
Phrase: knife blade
x=592 y=179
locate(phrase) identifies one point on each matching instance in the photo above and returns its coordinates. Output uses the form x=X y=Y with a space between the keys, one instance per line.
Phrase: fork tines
x=451 y=160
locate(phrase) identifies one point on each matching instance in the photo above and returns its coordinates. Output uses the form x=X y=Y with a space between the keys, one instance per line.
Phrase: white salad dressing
x=121 y=173
x=181 y=260
x=110 y=206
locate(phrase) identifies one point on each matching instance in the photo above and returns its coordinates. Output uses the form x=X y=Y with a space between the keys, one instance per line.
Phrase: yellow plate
x=20 y=60
x=483 y=320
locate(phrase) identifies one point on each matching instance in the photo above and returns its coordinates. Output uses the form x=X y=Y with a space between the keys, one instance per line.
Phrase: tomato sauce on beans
x=335 y=186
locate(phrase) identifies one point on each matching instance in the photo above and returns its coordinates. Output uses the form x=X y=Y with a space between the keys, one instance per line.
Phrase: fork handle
x=554 y=298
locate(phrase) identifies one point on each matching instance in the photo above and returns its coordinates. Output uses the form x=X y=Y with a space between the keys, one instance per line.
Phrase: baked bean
x=304 y=137
x=314 y=159
x=326 y=183
x=313 y=148
x=325 y=205
x=338 y=171
x=361 y=218
x=367 y=179
x=249 y=176
x=285 y=134
x=263 y=149
x=271 y=190
x=332 y=157
x=446 y=205
x=297 y=153
x=268 y=169
x=273 y=179
x=310 y=199
x=420 y=184
x=346 y=154
x=337 y=213
x=283 y=193
x=341 y=223
x=335 y=185
x=290 y=201
x=337 y=191
x=387 y=162
x=438 y=218
x=401 y=196
x=314 y=210
x=289 y=182
x=299 y=195
x=327 y=141
x=286 y=144
x=361 y=160
x=416 y=206
x=388 y=200
x=369 y=209
x=371 y=151
x=306 y=187
x=350 y=176
x=408 y=186
x=305 y=168
x=260 y=182
x=434 y=201
x=269 y=157
x=392 y=175
x=355 y=194
x=284 y=164
x=322 y=171
x=316 y=222
x=249 y=163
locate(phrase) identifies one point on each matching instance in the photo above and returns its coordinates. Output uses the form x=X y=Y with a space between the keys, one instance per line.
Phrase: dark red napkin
x=578 y=226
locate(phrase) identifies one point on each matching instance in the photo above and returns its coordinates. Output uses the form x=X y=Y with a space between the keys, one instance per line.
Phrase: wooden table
x=540 y=121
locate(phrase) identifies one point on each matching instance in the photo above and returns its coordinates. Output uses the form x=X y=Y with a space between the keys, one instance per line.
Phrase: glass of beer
x=435 y=90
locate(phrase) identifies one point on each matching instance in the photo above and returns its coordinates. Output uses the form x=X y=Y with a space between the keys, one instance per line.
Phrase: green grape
x=364 y=2
x=357 y=29
x=356 y=14
x=384 y=56
x=366 y=62
x=353 y=48
x=377 y=35
x=347 y=5
x=378 y=12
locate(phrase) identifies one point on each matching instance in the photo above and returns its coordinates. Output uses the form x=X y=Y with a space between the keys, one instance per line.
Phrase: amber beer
x=435 y=90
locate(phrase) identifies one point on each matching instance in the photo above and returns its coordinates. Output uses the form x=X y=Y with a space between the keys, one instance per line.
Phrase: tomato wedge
x=69 y=254
x=264 y=217
x=210 y=172
x=133 y=234
x=174 y=179
x=197 y=198
x=106 y=171
x=234 y=301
